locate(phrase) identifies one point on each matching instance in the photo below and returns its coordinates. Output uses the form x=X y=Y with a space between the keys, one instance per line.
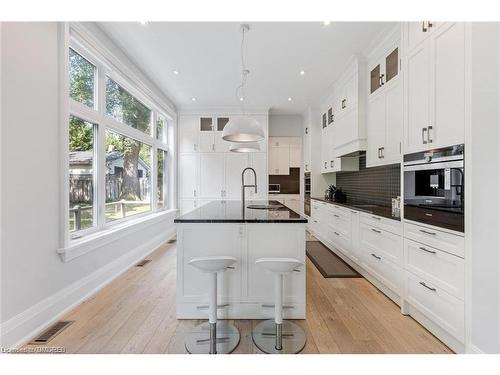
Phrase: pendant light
x=245 y=147
x=243 y=129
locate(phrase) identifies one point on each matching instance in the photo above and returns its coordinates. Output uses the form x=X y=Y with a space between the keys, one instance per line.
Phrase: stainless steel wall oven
x=434 y=184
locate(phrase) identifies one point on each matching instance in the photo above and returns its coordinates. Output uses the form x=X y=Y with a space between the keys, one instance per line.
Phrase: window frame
x=73 y=37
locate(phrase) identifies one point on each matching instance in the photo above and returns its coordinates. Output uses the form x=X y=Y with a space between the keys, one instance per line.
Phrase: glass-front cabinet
x=384 y=70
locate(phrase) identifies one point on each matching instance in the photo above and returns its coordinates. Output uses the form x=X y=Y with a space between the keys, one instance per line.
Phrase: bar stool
x=213 y=337
x=278 y=336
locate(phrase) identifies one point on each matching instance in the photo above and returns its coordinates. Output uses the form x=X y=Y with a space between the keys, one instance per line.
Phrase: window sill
x=97 y=240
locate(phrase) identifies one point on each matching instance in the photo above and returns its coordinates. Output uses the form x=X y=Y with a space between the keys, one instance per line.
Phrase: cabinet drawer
x=437 y=305
x=390 y=225
x=340 y=220
x=342 y=241
x=444 y=270
x=441 y=240
x=385 y=271
x=381 y=242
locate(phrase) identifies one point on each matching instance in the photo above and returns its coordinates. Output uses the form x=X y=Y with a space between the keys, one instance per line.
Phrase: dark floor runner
x=329 y=264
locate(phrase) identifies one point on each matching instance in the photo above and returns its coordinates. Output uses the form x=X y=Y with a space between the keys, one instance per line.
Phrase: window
x=161 y=130
x=161 y=180
x=81 y=174
x=82 y=79
x=125 y=108
x=113 y=178
x=128 y=192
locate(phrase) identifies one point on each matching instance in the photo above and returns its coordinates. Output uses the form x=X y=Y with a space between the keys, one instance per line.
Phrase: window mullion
x=101 y=155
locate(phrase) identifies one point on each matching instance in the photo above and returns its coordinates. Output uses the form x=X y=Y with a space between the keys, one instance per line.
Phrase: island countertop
x=233 y=212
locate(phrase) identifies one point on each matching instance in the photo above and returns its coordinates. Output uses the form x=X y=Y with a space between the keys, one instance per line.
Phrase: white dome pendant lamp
x=242 y=128
x=245 y=147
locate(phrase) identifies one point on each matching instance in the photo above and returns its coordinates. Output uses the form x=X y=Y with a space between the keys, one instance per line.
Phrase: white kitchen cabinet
x=279 y=156
x=385 y=118
x=295 y=152
x=187 y=205
x=188 y=179
x=206 y=141
x=417 y=32
x=188 y=134
x=306 y=141
x=234 y=164
x=211 y=175
x=435 y=100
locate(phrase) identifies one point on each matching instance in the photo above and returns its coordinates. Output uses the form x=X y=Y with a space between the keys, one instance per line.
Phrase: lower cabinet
x=421 y=267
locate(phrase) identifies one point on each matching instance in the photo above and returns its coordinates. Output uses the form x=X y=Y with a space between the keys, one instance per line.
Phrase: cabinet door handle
x=194 y=192
x=424 y=27
x=426 y=232
x=424 y=141
x=427 y=250
x=376 y=257
x=375 y=217
x=427 y=286
x=325 y=164
x=222 y=193
x=382 y=79
x=194 y=147
x=306 y=167
x=331 y=163
x=382 y=149
x=376 y=231
x=429 y=24
x=378 y=152
x=429 y=139
x=307 y=130
x=336 y=215
x=213 y=146
x=336 y=234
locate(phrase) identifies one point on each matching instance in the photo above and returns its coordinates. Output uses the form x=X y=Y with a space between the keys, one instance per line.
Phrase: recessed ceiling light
x=326 y=23
x=143 y=22
x=193 y=99
x=241 y=99
x=302 y=72
x=176 y=72
x=289 y=99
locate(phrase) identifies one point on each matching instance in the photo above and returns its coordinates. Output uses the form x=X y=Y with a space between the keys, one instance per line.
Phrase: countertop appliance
x=274 y=188
x=434 y=184
x=307 y=193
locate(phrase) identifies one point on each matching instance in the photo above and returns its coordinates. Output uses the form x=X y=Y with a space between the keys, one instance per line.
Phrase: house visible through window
x=81 y=174
x=112 y=178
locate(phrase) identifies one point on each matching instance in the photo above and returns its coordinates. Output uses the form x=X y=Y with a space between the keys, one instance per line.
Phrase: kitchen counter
x=374 y=209
x=232 y=212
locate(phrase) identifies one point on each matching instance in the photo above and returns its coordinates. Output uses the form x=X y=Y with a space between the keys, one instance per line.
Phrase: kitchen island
x=229 y=228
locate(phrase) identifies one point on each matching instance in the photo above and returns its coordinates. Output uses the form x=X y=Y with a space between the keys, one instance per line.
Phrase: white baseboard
x=473 y=349
x=21 y=328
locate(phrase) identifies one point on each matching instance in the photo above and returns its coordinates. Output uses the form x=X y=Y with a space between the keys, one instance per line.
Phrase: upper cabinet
x=284 y=153
x=435 y=84
x=385 y=103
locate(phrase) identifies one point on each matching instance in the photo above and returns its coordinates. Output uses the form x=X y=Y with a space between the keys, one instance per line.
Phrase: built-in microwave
x=274 y=188
x=434 y=184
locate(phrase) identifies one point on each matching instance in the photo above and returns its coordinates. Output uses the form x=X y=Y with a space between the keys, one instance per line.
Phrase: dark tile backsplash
x=289 y=184
x=377 y=185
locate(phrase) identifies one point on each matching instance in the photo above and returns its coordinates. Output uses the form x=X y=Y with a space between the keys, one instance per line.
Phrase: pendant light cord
x=240 y=90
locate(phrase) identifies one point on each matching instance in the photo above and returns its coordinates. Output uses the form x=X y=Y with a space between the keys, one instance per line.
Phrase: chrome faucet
x=243 y=186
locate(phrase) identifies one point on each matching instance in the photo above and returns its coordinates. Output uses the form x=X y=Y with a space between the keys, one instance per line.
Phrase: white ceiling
x=207 y=56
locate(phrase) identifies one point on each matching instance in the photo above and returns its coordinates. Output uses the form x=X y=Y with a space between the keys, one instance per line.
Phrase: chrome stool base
x=198 y=340
x=293 y=337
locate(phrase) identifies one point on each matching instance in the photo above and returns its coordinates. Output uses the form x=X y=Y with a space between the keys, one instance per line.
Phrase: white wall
x=483 y=194
x=285 y=125
x=36 y=285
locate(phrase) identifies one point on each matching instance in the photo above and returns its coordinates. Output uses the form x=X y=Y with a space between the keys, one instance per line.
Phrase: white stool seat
x=213 y=263
x=280 y=265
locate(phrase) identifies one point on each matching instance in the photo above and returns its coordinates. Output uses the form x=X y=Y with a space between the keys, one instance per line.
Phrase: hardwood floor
x=136 y=314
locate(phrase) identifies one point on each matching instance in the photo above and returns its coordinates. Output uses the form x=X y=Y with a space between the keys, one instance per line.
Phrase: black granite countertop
x=374 y=209
x=232 y=212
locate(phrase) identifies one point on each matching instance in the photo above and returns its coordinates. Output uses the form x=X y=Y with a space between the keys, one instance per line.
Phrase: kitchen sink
x=264 y=206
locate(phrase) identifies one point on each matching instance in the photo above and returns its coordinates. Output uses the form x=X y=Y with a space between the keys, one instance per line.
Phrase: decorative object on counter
x=243 y=129
x=396 y=206
x=245 y=147
x=330 y=192
x=339 y=196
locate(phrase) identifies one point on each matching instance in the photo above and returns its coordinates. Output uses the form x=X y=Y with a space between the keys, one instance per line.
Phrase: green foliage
x=81 y=135
x=82 y=76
